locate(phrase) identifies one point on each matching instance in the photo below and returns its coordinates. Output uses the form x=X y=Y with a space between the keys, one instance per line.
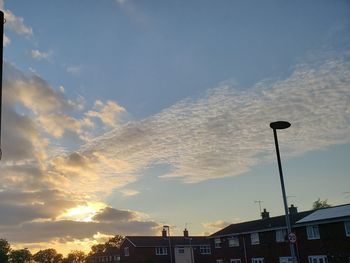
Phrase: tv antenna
x=259 y=201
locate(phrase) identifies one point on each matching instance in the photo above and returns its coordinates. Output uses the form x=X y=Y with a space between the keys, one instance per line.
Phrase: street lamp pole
x=279 y=125
x=2 y=21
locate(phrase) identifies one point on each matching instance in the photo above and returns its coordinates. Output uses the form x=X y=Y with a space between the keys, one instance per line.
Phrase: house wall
x=148 y=255
x=333 y=243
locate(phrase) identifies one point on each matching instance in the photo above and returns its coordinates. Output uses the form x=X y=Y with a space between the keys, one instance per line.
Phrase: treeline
x=50 y=255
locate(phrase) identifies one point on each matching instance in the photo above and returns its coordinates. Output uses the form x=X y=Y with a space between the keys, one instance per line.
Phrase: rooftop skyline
x=120 y=116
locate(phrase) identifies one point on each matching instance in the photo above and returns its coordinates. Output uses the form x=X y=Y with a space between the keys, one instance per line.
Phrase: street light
x=170 y=252
x=280 y=125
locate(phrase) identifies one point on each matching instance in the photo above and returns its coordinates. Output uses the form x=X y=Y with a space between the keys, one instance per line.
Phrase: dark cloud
x=110 y=214
x=67 y=230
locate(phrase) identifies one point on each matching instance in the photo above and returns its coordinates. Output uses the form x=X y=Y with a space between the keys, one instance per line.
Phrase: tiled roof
x=260 y=225
x=154 y=241
x=327 y=214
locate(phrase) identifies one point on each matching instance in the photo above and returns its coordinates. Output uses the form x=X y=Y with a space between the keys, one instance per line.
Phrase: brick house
x=323 y=236
x=166 y=249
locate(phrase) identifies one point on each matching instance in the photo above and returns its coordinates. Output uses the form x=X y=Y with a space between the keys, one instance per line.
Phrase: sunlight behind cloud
x=83 y=213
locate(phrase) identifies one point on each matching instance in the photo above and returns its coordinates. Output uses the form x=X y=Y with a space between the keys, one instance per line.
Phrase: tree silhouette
x=20 y=256
x=4 y=250
x=320 y=204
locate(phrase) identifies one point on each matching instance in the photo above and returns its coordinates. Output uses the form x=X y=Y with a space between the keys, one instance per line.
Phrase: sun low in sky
x=122 y=116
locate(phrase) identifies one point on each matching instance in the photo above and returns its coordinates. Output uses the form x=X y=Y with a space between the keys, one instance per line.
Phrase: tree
x=49 y=255
x=115 y=241
x=97 y=249
x=75 y=256
x=320 y=204
x=20 y=256
x=4 y=250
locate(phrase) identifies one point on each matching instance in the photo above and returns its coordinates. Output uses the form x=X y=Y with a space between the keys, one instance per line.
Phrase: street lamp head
x=280 y=125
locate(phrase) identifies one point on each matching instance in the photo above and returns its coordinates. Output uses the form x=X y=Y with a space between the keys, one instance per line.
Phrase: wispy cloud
x=129 y=192
x=39 y=55
x=74 y=70
x=15 y=23
x=226 y=132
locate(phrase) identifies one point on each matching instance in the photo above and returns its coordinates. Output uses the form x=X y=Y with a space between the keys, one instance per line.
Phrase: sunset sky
x=120 y=116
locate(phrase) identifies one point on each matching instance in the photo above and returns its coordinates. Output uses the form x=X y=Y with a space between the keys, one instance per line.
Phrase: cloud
x=110 y=214
x=111 y=221
x=6 y=41
x=121 y=2
x=39 y=55
x=15 y=23
x=227 y=132
x=109 y=113
x=129 y=192
x=216 y=225
x=74 y=70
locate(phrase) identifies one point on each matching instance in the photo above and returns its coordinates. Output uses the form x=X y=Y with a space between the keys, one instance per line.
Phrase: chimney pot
x=265 y=214
x=293 y=209
x=164 y=233
x=185 y=233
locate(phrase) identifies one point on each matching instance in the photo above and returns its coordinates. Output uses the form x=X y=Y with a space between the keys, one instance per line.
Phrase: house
x=166 y=249
x=110 y=254
x=323 y=236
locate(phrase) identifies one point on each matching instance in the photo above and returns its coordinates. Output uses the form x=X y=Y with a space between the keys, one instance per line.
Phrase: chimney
x=164 y=233
x=265 y=214
x=185 y=233
x=293 y=210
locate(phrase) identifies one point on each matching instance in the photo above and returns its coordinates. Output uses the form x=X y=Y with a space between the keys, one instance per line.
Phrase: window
x=233 y=242
x=126 y=251
x=281 y=235
x=313 y=232
x=217 y=243
x=219 y=261
x=286 y=260
x=257 y=260
x=235 y=260
x=181 y=250
x=161 y=251
x=205 y=250
x=254 y=237
x=318 y=259
x=347 y=228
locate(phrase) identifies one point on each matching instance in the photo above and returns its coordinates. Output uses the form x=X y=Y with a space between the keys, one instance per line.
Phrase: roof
x=327 y=214
x=159 y=241
x=260 y=225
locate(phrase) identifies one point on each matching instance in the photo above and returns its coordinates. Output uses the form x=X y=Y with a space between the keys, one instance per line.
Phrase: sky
x=120 y=116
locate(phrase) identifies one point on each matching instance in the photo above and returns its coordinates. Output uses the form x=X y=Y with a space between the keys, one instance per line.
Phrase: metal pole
x=289 y=228
x=2 y=21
